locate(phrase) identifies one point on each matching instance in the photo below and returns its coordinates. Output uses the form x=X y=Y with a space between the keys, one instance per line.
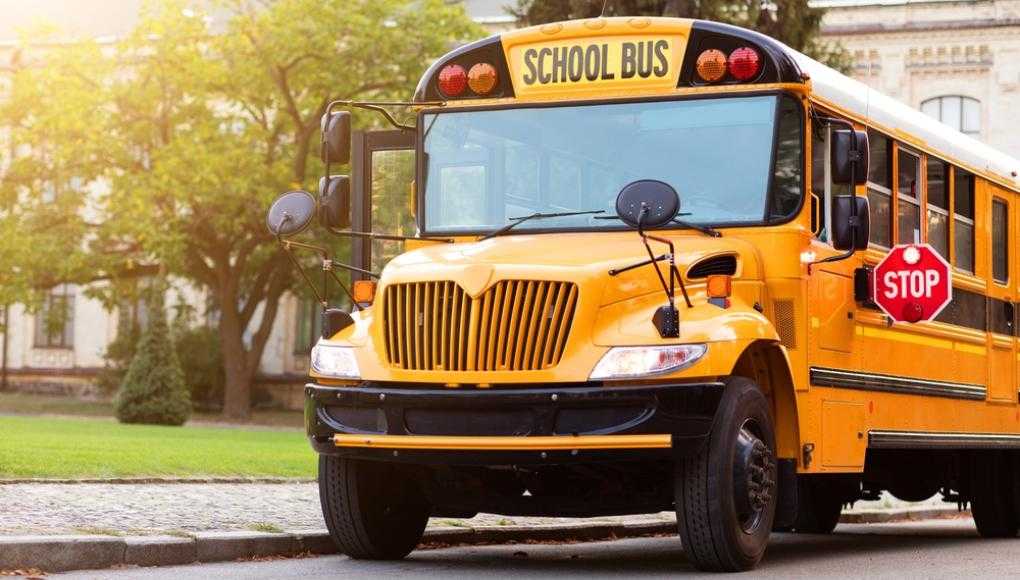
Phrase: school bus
x=524 y=354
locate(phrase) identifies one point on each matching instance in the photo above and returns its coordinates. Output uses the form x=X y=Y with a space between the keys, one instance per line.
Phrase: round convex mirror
x=291 y=213
x=656 y=199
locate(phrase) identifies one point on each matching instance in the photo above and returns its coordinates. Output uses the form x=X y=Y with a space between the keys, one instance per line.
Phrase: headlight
x=624 y=362
x=336 y=362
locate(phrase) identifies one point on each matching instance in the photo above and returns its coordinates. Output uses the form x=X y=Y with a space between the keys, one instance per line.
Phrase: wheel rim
x=754 y=477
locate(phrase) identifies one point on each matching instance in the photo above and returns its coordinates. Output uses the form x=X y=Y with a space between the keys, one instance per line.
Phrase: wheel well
x=765 y=363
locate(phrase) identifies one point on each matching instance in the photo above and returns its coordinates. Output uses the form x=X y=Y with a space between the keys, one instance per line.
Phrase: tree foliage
x=153 y=389
x=186 y=130
x=793 y=22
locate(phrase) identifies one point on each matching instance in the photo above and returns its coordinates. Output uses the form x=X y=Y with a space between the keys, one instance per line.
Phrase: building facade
x=956 y=60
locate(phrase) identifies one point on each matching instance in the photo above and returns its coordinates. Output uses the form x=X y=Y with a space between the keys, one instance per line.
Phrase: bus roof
x=782 y=65
x=905 y=122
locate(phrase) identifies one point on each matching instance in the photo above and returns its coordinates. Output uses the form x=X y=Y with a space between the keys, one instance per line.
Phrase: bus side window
x=880 y=189
x=822 y=187
x=1000 y=241
x=908 y=195
x=938 y=206
x=963 y=220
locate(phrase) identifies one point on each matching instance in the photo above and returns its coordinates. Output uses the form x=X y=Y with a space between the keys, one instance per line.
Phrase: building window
x=963 y=220
x=54 y=323
x=938 y=206
x=908 y=192
x=880 y=189
x=960 y=113
x=308 y=325
x=1000 y=241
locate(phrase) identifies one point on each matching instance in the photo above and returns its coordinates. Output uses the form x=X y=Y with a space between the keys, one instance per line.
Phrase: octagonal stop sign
x=913 y=283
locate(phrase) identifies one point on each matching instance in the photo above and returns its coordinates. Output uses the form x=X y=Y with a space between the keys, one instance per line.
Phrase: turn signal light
x=719 y=286
x=363 y=291
x=453 y=80
x=482 y=78
x=711 y=65
x=744 y=63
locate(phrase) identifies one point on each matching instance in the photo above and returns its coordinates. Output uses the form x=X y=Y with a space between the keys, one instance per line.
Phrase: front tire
x=373 y=511
x=726 y=494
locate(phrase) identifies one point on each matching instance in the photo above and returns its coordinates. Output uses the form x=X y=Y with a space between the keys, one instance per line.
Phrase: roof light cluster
x=481 y=79
x=743 y=64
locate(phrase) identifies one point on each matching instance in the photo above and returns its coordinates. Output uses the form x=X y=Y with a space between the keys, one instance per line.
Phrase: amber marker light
x=719 y=286
x=482 y=78
x=363 y=291
x=711 y=65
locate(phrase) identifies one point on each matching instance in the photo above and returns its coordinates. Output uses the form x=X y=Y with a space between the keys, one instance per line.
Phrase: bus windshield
x=484 y=168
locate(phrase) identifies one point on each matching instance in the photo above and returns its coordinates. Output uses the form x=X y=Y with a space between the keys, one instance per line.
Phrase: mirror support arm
x=379 y=107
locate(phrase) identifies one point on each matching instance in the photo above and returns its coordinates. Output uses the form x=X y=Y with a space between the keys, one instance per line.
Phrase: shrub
x=153 y=390
x=198 y=349
x=119 y=354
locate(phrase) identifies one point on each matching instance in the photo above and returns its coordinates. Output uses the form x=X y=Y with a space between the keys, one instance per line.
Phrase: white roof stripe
x=872 y=105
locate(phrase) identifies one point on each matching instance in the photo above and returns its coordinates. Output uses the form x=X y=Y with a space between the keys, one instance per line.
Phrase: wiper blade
x=707 y=230
x=516 y=221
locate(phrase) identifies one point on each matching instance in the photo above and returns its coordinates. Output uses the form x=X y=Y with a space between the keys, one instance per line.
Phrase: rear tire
x=373 y=511
x=818 y=507
x=726 y=494
x=992 y=495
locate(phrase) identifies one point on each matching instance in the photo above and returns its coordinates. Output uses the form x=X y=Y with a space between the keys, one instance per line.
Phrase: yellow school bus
x=637 y=282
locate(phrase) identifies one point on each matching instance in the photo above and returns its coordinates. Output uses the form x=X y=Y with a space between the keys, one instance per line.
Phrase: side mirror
x=291 y=213
x=336 y=137
x=647 y=203
x=335 y=202
x=851 y=223
x=850 y=156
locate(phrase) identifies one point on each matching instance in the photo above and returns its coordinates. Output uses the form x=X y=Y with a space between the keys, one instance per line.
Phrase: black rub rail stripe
x=879 y=439
x=824 y=377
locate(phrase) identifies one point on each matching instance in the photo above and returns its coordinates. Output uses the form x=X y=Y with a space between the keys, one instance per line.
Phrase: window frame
x=959 y=126
x=64 y=338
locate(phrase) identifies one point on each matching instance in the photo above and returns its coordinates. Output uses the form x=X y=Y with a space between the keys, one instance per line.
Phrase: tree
x=793 y=22
x=193 y=128
x=153 y=390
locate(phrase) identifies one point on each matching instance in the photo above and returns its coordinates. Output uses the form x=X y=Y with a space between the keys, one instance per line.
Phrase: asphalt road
x=934 y=549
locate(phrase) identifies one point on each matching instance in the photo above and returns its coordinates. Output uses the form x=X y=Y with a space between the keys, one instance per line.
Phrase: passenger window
x=963 y=219
x=821 y=182
x=908 y=192
x=938 y=206
x=1000 y=241
x=880 y=189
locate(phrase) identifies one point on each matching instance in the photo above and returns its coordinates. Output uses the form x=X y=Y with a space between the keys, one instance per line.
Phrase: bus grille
x=516 y=325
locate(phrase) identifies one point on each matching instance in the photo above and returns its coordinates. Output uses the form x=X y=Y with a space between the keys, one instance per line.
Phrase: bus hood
x=583 y=258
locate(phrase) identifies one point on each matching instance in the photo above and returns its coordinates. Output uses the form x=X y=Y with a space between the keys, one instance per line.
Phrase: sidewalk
x=57 y=526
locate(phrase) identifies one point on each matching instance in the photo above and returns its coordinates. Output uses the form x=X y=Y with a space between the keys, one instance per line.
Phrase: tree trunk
x=237 y=390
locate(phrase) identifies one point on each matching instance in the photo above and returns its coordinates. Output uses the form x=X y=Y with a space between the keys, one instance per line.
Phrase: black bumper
x=683 y=411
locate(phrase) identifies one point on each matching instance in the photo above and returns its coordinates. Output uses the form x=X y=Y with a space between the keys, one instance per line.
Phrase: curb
x=158 y=480
x=63 y=553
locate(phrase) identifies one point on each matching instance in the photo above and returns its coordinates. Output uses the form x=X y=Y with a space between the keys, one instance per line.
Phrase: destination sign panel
x=589 y=64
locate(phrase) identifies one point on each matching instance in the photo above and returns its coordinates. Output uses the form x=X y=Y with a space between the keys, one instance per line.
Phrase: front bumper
x=503 y=426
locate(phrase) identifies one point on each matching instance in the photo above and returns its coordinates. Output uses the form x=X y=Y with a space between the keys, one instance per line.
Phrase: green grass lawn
x=63 y=447
x=33 y=404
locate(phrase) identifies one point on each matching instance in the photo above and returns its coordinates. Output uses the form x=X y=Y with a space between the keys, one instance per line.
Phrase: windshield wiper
x=516 y=221
x=707 y=230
